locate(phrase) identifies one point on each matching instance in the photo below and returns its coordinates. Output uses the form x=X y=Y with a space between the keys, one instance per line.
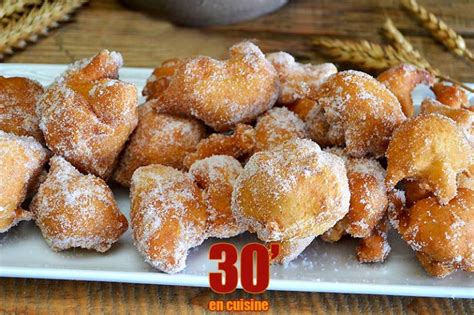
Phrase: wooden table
x=145 y=41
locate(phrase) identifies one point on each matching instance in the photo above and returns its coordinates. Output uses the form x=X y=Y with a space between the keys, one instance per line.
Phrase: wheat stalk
x=439 y=29
x=17 y=33
x=371 y=56
x=9 y=7
x=365 y=54
x=399 y=41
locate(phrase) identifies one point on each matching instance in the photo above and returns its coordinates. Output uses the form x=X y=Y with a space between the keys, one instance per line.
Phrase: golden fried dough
x=216 y=175
x=222 y=93
x=298 y=80
x=291 y=192
x=168 y=216
x=18 y=97
x=87 y=115
x=369 y=199
x=302 y=107
x=76 y=210
x=432 y=150
x=158 y=139
x=374 y=248
x=401 y=80
x=442 y=236
x=21 y=162
x=464 y=118
x=277 y=126
x=451 y=95
x=237 y=144
x=160 y=79
x=355 y=110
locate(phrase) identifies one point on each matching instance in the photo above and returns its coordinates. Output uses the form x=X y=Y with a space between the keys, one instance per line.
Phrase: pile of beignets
x=254 y=143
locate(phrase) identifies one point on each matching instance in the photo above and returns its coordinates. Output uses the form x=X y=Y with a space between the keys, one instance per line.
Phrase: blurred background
x=148 y=32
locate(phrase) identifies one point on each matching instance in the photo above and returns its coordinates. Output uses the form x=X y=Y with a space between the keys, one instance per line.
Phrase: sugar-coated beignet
x=216 y=175
x=158 y=139
x=442 y=236
x=240 y=143
x=291 y=192
x=277 y=126
x=168 y=216
x=77 y=210
x=375 y=247
x=451 y=95
x=432 y=150
x=355 y=110
x=21 y=162
x=401 y=80
x=298 y=80
x=87 y=115
x=18 y=97
x=291 y=249
x=463 y=117
x=369 y=199
x=222 y=93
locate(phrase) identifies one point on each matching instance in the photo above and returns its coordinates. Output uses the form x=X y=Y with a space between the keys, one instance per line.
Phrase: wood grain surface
x=145 y=41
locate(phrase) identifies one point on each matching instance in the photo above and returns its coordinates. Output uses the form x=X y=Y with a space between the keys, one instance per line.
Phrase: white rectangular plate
x=321 y=268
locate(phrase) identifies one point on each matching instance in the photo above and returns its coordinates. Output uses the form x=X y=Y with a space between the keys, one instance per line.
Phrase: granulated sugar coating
x=299 y=80
x=441 y=235
x=87 y=115
x=432 y=150
x=368 y=194
x=18 y=97
x=158 y=139
x=21 y=162
x=222 y=93
x=463 y=117
x=216 y=175
x=76 y=210
x=291 y=192
x=355 y=110
x=401 y=80
x=168 y=216
x=277 y=126
x=240 y=143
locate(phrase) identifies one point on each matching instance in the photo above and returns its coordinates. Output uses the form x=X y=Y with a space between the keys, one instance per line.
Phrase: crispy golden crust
x=158 y=139
x=21 y=162
x=463 y=117
x=222 y=93
x=237 y=144
x=335 y=233
x=87 y=115
x=451 y=95
x=432 y=150
x=291 y=192
x=168 y=216
x=302 y=107
x=277 y=126
x=216 y=175
x=18 y=97
x=160 y=79
x=401 y=80
x=76 y=210
x=369 y=199
x=355 y=110
x=415 y=191
x=298 y=80
x=374 y=248
x=442 y=236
